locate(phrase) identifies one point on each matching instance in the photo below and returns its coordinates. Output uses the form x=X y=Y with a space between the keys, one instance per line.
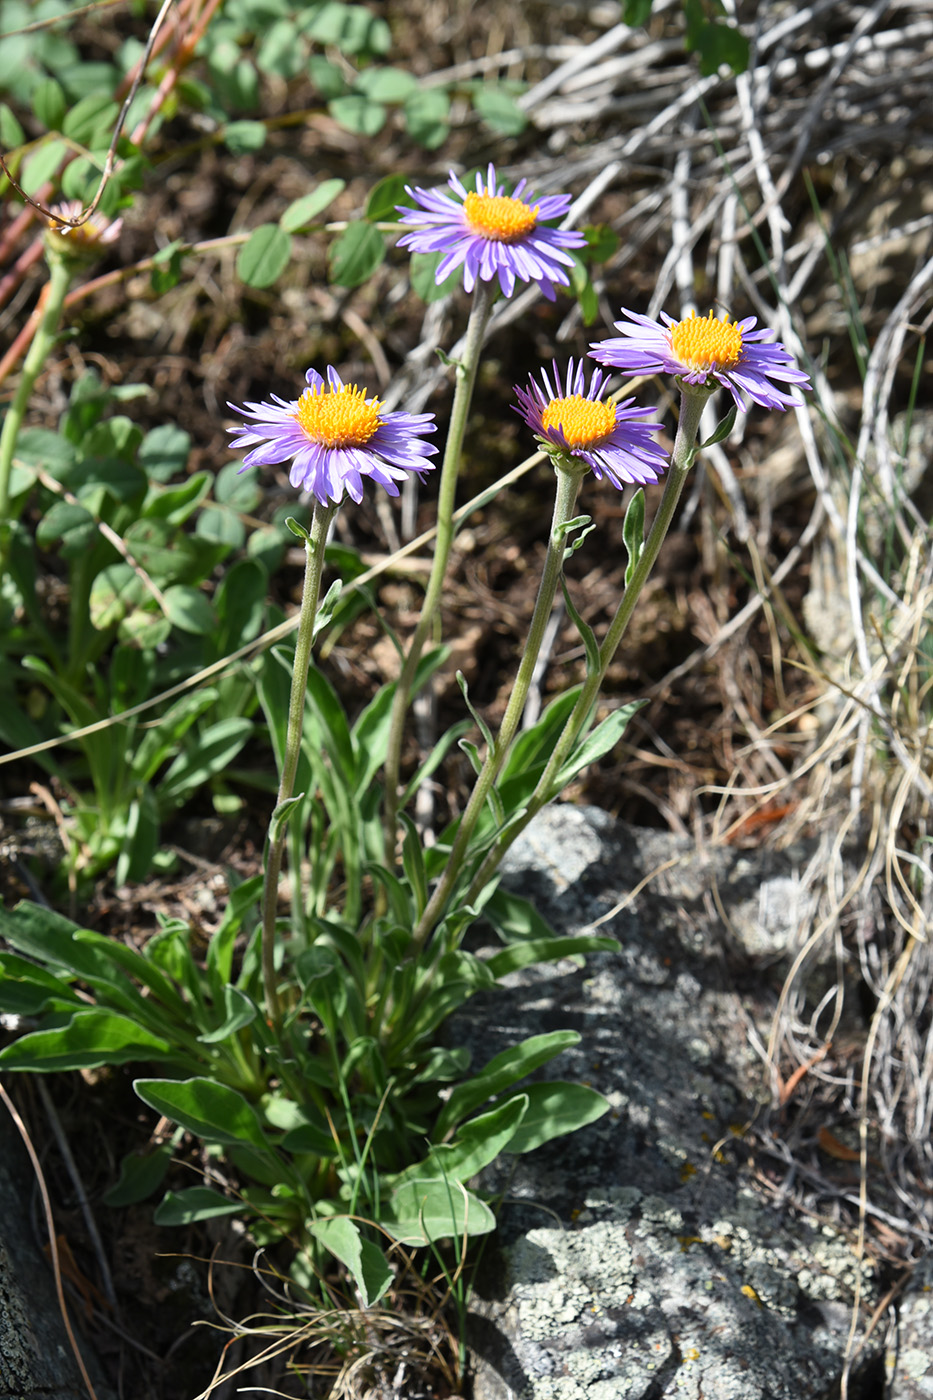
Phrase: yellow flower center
x=338 y=417
x=704 y=342
x=498 y=216
x=584 y=422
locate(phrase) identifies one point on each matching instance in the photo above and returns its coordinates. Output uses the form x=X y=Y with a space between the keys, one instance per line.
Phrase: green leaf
x=723 y=428
x=189 y=610
x=91 y=1038
x=240 y=1011
x=243 y=136
x=499 y=110
x=516 y=920
x=356 y=254
x=281 y=51
x=390 y=85
x=25 y=988
x=500 y=1073
x=601 y=242
x=265 y=256
x=636 y=12
x=302 y=212
x=556 y=1109
x=139 y=1177
x=163 y=452
x=213 y=1112
x=72 y=524
x=423 y=273
x=429 y=1209
x=90 y=121
x=603 y=738
x=426 y=114
x=235 y=489
x=12 y=134
x=193 y=1204
x=42 y=164
x=587 y=635
x=478 y=1142
x=384 y=197
x=49 y=104
x=364 y=1259
x=351 y=27
x=518 y=955
x=357 y=114
x=211 y=753
x=141 y=840
x=633 y=532
x=326 y=77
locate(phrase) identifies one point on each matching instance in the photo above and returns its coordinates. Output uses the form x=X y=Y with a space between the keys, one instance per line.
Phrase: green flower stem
x=60 y=272
x=570 y=473
x=692 y=403
x=278 y=829
x=467 y=367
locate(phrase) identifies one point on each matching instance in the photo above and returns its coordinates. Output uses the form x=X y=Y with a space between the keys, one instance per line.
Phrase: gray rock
x=638 y=1258
x=909 y=1362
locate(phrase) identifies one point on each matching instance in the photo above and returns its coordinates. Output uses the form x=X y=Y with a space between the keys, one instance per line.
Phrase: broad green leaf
x=265 y=256
x=163 y=452
x=363 y=1258
x=386 y=85
x=92 y=1038
x=429 y=1209
x=352 y=28
x=90 y=121
x=189 y=610
x=515 y=919
x=302 y=212
x=502 y=1071
x=358 y=114
x=240 y=1011
x=210 y=754
x=426 y=114
x=499 y=110
x=326 y=77
x=194 y=1203
x=636 y=12
x=556 y=1109
x=41 y=165
x=281 y=51
x=519 y=955
x=70 y=523
x=384 y=197
x=176 y=503
x=12 y=134
x=237 y=489
x=26 y=988
x=243 y=136
x=356 y=254
x=139 y=1177
x=479 y=1142
x=213 y=1112
x=423 y=273
x=49 y=104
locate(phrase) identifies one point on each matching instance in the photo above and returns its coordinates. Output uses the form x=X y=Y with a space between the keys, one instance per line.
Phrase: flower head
x=604 y=436
x=79 y=240
x=334 y=436
x=706 y=351
x=490 y=233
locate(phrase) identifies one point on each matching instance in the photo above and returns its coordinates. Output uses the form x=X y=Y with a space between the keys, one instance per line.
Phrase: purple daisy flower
x=334 y=436
x=491 y=233
x=707 y=351
x=580 y=424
